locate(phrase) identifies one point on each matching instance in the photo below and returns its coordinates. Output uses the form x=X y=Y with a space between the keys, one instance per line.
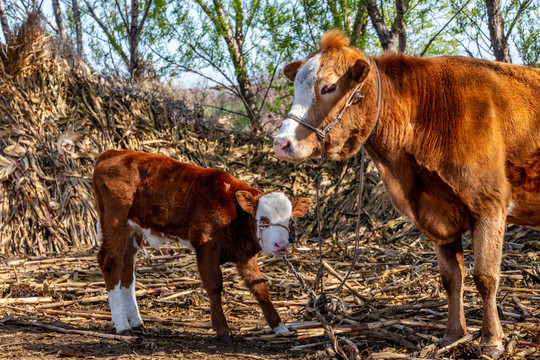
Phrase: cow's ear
x=291 y=69
x=247 y=202
x=300 y=207
x=359 y=70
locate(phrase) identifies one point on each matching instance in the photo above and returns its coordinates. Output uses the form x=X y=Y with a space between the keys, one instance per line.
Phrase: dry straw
x=57 y=115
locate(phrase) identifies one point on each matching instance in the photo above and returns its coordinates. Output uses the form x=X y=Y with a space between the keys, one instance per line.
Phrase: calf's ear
x=291 y=69
x=300 y=207
x=247 y=202
x=359 y=70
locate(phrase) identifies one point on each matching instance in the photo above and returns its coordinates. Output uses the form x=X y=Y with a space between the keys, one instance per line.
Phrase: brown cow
x=457 y=144
x=218 y=216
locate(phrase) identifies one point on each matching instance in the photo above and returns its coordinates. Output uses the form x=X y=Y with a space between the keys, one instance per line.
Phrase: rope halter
x=263 y=226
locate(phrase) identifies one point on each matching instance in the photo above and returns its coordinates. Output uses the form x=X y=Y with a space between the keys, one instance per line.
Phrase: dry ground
x=397 y=275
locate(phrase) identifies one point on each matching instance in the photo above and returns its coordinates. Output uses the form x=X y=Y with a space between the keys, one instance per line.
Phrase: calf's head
x=272 y=213
x=322 y=85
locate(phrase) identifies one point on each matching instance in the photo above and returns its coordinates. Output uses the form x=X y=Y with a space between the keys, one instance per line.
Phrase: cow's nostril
x=281 y=142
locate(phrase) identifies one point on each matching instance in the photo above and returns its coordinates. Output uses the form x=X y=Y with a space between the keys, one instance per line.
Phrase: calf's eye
x=328 y=89
x=265 y=220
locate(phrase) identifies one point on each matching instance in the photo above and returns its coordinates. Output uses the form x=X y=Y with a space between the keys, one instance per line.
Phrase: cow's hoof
x=226 y=339
x=493 y=351
x=447 y=340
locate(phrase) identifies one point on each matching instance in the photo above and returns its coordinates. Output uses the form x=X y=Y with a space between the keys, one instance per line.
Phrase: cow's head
x=272 y=213
x=322 y=85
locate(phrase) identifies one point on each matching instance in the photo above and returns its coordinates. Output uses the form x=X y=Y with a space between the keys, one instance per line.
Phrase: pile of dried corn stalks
x=57 y=116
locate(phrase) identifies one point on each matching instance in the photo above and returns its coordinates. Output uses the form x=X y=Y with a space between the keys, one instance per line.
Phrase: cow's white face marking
x=304 y=92
x=156 y=241
x=275 y=207
x=124 y=310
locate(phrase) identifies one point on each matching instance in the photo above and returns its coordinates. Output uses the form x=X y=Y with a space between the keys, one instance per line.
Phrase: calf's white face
x=271 y=210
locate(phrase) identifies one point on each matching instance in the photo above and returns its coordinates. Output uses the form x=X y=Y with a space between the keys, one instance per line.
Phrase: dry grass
x=56 y=116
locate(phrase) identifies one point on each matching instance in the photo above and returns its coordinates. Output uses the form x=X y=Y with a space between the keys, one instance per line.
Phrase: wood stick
x=78 y=332
x=467 y=338
x=93 y=299
x=337 y=276
x=107 y=316
x=29 y=300
x=520 y=306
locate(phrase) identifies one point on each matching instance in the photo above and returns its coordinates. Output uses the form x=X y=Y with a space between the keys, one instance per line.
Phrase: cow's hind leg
x=450 y=259
x=116 y=259
x=488 y=236
x=128 y=277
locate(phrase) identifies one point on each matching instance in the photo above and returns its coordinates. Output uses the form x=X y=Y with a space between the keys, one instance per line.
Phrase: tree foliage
x=239 y=46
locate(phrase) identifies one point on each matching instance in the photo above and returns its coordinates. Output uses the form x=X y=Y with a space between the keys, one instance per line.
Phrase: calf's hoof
x=139 y=329
x=226 y=339
x=127 y=332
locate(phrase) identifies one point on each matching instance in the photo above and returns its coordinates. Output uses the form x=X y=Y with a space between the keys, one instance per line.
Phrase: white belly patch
x=156 y=240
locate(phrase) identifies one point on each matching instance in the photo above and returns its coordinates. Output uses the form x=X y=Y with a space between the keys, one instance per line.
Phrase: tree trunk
x=400 y=25
x=78 y=28
x=133 y=38
x=4 y=22
x=358 y=33
x=59 y=20
x=496 y=31
x=387 y=38
x=235 y=42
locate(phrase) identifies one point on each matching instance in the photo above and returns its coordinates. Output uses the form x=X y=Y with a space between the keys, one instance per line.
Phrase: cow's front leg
x=249 y=271
x=488 y=236
x=450 y=259
x=208 y=264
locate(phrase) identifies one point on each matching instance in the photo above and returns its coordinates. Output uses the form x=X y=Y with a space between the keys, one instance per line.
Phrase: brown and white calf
x=457 y=144
x=218 y=216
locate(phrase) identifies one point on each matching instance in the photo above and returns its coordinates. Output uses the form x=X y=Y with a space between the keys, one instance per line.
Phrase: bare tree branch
x=522 y=8
x=112 y=40
x=121 y=13
x=442 y=29
x=59 y=20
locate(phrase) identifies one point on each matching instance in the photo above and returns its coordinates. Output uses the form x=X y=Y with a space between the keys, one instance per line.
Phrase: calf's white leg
x=116 y=259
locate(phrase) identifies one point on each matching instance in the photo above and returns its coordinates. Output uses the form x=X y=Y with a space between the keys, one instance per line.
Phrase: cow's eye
x=265 y=220
x=328 y=89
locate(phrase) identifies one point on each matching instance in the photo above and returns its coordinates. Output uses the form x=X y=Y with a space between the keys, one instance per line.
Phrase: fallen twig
x=78 y=332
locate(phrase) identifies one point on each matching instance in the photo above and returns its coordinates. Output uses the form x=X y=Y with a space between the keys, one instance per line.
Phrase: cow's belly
x=157 y=239
x=430 y=203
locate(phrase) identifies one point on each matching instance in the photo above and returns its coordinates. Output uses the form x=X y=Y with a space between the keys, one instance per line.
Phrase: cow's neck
x=388 y=145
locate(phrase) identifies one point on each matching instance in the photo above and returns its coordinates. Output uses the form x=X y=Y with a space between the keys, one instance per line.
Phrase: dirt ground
x=397 y=277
